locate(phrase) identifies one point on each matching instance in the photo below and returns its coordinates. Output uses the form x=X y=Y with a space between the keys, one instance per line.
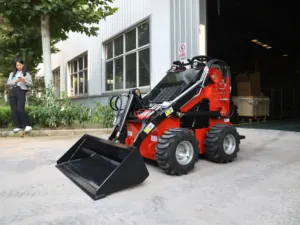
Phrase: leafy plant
x=18 y=41
x=5 y=116
x=103 y=114
x=55 y=112
x=35 y=20
x=52 y=112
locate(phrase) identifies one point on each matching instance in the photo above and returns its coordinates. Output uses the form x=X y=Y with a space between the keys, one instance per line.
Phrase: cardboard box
x=242 y=77
x=244 y=88
x=248 y=84
x=254 y=79
x=252 y=106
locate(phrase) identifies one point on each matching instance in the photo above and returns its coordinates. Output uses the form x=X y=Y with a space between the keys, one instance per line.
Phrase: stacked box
x=248 y=84
x=252 y=106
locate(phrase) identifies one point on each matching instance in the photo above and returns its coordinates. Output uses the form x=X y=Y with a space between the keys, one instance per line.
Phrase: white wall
x=184 y=27
x=203 y=28
x=160 y=39
x=131 y=12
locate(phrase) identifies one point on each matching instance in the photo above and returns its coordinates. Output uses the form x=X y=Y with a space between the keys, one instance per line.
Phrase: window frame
x=85 y=71
x=56 y=73
x=136 y=51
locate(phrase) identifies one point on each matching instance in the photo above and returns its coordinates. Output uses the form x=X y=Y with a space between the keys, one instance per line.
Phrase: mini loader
x=186 y=114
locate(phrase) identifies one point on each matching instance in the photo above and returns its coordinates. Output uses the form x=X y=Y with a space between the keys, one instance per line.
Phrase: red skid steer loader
x=186 y=114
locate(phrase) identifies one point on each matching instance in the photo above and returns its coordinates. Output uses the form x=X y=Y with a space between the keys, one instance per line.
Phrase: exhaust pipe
x=101 y=167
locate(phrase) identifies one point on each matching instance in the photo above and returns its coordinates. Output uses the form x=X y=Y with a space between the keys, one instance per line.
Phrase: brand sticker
x=154 y=138
x=149 y=128
x=169 y=111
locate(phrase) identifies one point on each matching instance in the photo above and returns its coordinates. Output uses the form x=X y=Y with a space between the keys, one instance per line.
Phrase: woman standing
x=18 y=83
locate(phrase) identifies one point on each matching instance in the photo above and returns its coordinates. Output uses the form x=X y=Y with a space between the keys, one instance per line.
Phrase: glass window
x=131 y=70
x=130 y=40
x=109 y=50
x=119 y=74
x=119 y=46
x=79 y=76
x=56 y=81
x=81 y=82
x=143 y=34
x=86 y=82
x=144 y=67
x=75 y=66
x=72 y=85
x=85 y=62
x=80 y=63
x=125 y=68
x=75 y=84
x=109 y=75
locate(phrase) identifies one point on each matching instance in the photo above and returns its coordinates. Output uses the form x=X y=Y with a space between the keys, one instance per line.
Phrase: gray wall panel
x=185 y=26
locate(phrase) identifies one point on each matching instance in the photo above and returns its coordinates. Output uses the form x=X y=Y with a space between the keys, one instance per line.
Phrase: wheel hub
x=184 y=152
x=229 y=144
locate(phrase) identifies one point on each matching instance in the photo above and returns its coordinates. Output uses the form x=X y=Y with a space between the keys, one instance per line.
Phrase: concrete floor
x=284 y=125
x=261 y=187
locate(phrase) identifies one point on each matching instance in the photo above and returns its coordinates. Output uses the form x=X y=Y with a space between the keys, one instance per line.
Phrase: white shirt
x=19 y=74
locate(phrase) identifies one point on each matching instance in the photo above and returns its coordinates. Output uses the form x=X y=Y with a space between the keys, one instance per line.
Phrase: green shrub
x=2 y=102
x=74 y=113
x=60 y=114
x=28 y=110
x=103 y=114
x=5 y=116
x=54 y=113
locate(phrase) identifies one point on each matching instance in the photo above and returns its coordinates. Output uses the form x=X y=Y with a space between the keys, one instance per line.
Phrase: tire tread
x=165 y=152
x=213 y=143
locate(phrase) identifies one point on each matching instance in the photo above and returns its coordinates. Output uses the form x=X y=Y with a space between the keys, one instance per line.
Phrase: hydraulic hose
x=114 y=105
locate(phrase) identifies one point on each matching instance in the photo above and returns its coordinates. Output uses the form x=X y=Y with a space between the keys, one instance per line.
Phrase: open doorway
x=259 y=37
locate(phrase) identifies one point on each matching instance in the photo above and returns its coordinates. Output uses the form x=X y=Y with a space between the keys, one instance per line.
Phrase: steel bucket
x=101 y=167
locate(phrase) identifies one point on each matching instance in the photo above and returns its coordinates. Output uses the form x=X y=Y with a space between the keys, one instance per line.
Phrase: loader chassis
x=186 y=114
x=200 y=111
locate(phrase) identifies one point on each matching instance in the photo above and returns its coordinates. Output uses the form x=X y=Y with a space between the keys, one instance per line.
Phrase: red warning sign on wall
x=182 y=51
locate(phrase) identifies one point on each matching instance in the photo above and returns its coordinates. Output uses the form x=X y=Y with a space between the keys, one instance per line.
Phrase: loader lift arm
x=133 y=102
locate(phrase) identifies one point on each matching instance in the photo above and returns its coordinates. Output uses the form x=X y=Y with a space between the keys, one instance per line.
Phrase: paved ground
x=284 y=125
x=261 y=187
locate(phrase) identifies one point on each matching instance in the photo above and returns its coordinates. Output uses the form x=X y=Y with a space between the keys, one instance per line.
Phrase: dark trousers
x=17 y=99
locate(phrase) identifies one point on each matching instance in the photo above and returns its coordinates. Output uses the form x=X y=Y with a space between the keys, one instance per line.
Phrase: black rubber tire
x=213 y=143
x=166 y=147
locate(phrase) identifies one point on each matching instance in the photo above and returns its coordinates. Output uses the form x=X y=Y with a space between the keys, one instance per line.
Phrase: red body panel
x=200 y=133
x=218 y=94
x=147 y=148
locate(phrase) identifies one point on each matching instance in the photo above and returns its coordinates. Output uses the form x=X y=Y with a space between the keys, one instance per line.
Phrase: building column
x=185 y=22
x=202 y=28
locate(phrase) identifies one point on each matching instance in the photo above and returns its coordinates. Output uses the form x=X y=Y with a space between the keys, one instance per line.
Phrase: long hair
x=15 y=67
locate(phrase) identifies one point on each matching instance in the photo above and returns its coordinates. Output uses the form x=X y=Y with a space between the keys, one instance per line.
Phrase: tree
x=22 y=41
x=54 y=19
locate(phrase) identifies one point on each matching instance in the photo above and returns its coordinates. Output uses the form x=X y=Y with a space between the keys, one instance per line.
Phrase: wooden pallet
x=251 y=119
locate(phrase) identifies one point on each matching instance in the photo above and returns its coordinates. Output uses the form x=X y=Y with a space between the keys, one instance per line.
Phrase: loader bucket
x=100 y=167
